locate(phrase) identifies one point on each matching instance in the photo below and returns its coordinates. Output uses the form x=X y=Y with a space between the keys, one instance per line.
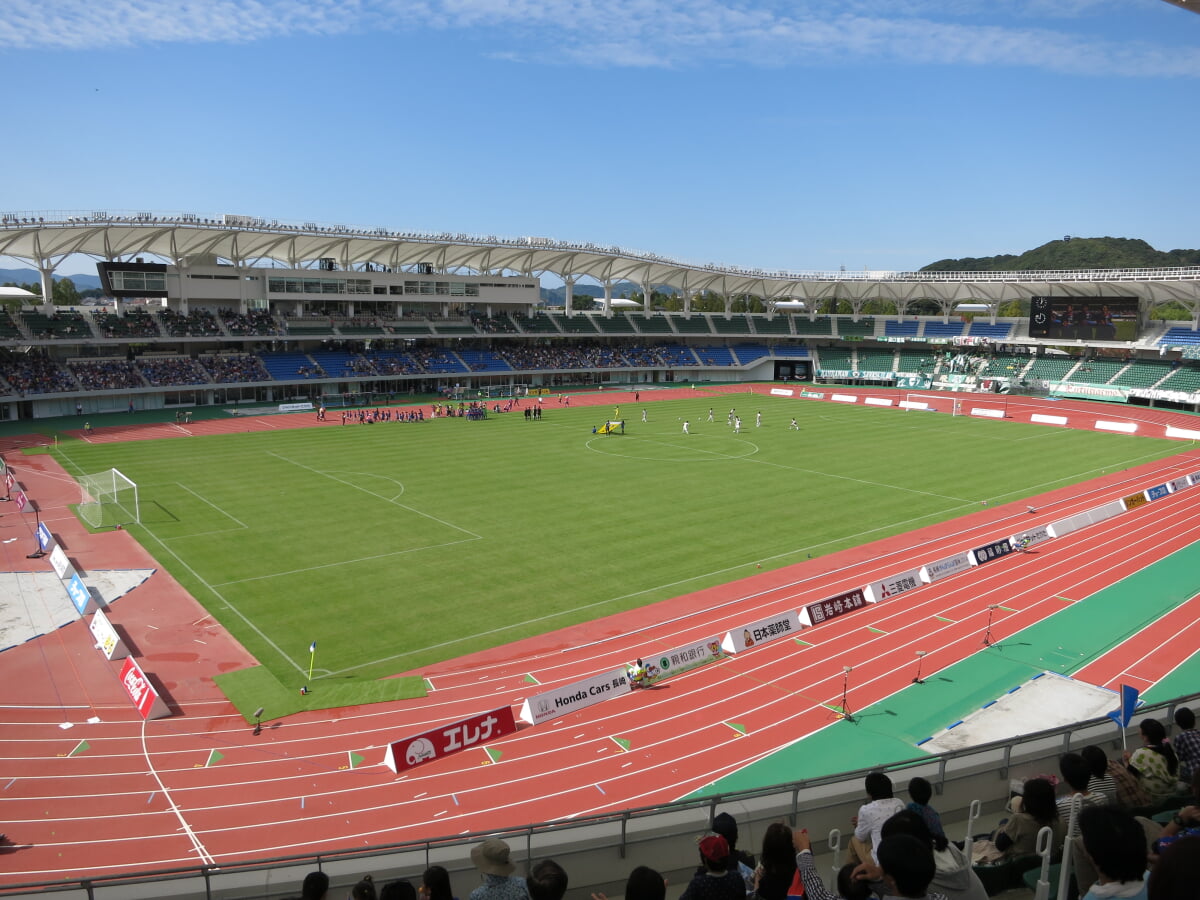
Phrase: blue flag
x=312 y=648
x=1129 y=704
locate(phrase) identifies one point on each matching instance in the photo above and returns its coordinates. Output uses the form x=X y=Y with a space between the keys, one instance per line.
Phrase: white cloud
x=640 y=33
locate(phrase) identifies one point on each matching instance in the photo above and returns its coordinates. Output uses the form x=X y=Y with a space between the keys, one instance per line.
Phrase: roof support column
x=47 y=273
x=569 y=296
x=182 y=268
x=728 y=306
x=608 y=299
x=647 y=302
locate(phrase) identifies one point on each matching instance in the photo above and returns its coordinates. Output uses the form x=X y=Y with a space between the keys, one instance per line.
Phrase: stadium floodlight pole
x=987 y=634
x=920 y=659
x=846 y=670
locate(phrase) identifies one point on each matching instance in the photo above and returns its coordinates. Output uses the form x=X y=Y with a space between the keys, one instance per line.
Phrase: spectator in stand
x=880 y=807
x=777 y=864
x=726 y=826
x=398 y=890
x=953 y=875
x=921 y=792
x=1077 y=775
x=643 y=884
x=494 y=861
x=1155 y=763
x=315 y=887
x=1127 y=790
x=1176 y=874
x=1099 y=781
x=1187 y=744
x=547 y=881
x=435 y=884
x=364 y=890
x=714 y=880
x=1017 y=836
x=1116 y=844
x=905 y=864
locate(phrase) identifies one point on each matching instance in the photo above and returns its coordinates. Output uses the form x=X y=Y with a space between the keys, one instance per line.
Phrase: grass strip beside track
x=888 y=732
x=258 y=688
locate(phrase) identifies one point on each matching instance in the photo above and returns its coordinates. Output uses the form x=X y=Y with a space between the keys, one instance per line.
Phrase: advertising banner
x=80 y=595
x=58 y=559
x=1157 y=492
x=404 y=754
x=21 y=500
x=951 y=565
x=991 y=551
x=145 y=698
x=108 y=641
x=878 y=591
x=831 y=608
x=571 y=697
x=682 y=659
x=44 y=537
x=1035 y=536
x=1133 y=501
x=764 y=631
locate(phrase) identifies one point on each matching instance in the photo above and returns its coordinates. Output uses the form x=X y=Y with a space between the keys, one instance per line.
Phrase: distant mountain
x=31 y=276
x=558 y=296
x=1074 y=253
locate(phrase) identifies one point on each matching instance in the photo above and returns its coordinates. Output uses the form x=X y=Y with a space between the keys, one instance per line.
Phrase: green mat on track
x=888 y=731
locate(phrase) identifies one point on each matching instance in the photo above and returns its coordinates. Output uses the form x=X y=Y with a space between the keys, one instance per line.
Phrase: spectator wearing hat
x=493 y=859
x=714 y=881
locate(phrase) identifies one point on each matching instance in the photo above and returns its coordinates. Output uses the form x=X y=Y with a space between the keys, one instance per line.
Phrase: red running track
x=143 y=797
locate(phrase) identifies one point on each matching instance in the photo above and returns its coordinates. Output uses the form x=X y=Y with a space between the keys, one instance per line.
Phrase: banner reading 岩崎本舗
x=570 y=697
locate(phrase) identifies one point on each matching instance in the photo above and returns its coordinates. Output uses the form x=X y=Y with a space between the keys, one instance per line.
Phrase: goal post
x=944 y=403
x=108 y=499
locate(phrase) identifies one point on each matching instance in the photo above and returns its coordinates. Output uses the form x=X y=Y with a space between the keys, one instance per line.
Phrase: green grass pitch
x=399 y=544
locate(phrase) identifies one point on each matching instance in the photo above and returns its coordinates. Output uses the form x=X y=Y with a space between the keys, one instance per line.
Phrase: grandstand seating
x=9 y=330
x=998 y=332
x=1004 y=365
x=1097 y=371
x=454 y=329
x=62 y=324
x=906 y=328
x=697 y=324
x=235 y=368
x=169 y=371
x=777 y=324
x=289 y=366
x=1180 y=337
x=197 y=323
x=653 y=324
x=748 y=353
x=1185 y=378
x=411 y=328
x=439 y=362
x=1142 y=373
x=821 y=326
x=676 y=355
x=105 y=374
x=838 y=358
x=576 y=324
x=1050 y=368
x=738 y=324
x=848 y=329
x=715 y=356
x=876 y=360
x=914 y=361
x=393 y=362
x=484 y=361
x=136 y=323
x=340 y=364
x=536 y=324
x=938 y=329
x=618 y=324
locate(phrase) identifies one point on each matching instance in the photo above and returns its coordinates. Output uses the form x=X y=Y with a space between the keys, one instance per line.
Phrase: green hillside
x=1074 y=253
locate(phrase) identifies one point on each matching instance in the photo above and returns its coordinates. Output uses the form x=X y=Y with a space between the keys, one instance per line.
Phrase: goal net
x=986 y=405
x=108 y=499
x=944 y=403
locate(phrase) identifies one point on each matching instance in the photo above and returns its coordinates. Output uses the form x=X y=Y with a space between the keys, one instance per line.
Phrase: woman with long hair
x=777 y=864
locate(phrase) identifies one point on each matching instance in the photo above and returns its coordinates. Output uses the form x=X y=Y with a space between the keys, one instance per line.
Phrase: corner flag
x=312 y=654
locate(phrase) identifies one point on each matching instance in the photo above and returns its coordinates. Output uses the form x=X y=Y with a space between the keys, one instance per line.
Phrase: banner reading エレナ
x=450 y=739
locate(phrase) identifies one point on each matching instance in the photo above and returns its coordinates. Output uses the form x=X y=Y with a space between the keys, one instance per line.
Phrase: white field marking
x=351 y=562
x=180 y=537
x=697 y=452
x=858 y=537
x=356 y=487
x=187 y=829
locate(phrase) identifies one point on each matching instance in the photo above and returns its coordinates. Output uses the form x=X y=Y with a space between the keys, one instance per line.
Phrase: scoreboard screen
x=1084 y=318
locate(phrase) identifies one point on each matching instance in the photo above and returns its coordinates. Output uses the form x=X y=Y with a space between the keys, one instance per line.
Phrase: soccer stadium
x=342 y=549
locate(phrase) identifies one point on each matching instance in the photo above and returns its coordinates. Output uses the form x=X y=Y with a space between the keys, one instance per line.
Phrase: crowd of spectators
x=254 y=322
x=106 y=374
x=163 y=371
x=35 y=373
x=492 y=324
x=135 y=323
x=197 y=323
x=231 y=368
x=392 y=363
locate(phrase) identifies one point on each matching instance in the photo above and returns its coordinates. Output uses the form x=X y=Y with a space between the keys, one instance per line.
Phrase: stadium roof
x=45 y=239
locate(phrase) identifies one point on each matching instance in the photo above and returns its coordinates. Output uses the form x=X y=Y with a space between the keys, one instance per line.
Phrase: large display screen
x=1084 y=319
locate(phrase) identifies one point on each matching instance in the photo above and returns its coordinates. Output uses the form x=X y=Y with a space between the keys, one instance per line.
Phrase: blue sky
x=802 y=135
